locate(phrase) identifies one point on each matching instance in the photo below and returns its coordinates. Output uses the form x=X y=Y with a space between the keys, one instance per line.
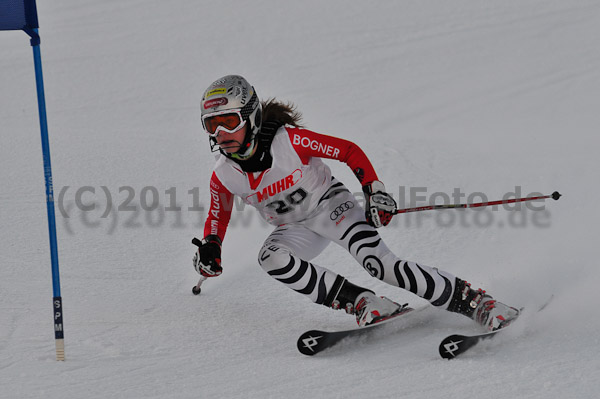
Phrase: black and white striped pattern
x=287 y=252
x=301 y=276
x=426 y=282
x=336 y=188
x=365 y=244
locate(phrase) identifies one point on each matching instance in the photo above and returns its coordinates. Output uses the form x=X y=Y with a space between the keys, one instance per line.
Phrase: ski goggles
x=228 y=121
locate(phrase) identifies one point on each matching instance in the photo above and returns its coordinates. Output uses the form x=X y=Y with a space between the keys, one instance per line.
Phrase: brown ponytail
x=286 y=113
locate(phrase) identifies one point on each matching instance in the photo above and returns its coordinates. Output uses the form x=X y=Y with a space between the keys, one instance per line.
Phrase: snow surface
x=481 y=96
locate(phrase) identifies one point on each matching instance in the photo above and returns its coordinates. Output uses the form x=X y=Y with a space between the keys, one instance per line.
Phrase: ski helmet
x=233 y=93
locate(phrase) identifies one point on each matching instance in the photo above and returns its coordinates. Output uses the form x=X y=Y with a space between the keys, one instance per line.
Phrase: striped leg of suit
x=285 y=256
x=343 y=222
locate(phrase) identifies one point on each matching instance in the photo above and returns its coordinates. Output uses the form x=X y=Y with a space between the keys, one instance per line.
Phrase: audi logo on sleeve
x=337 y=212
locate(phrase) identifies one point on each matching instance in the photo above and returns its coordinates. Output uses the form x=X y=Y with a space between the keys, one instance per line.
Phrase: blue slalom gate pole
x=57 y=299
x=22 y=15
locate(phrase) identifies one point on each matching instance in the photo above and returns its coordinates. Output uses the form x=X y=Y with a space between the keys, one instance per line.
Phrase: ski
x=456 y=344
x=314 y=341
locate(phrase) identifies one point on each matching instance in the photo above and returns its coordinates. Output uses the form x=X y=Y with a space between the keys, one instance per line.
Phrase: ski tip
x=451 y=346
x=311 y=342
x=556 y=195
x=545 y=304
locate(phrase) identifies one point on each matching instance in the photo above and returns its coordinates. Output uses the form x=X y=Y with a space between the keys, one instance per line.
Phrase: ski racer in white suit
x=273 y=164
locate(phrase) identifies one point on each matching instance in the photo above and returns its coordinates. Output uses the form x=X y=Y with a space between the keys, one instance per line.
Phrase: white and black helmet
x=233 y=93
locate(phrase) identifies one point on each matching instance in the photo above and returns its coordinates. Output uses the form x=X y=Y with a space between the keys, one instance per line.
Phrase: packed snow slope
x=487 y=97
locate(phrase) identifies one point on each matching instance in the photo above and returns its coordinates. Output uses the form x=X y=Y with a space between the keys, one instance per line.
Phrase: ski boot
x=481 y=307
x=370 y=308
x=363 y=303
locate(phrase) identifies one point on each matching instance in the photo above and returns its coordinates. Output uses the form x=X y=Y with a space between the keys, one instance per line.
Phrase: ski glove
x=379 y=205
x=207 y=260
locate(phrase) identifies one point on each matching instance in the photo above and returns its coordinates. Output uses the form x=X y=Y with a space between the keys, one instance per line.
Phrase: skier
x=269 y=160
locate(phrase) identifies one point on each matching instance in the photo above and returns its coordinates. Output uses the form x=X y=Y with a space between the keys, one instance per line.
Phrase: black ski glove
x=379 y=205
x=207 y=260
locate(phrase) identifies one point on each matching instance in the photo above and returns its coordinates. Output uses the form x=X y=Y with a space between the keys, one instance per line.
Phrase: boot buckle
x=349 y=308
x=477 y=298
x=465 y=291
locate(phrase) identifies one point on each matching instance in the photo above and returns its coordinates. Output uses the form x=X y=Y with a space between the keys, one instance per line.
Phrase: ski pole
x=555 y=196
x=196 y=289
